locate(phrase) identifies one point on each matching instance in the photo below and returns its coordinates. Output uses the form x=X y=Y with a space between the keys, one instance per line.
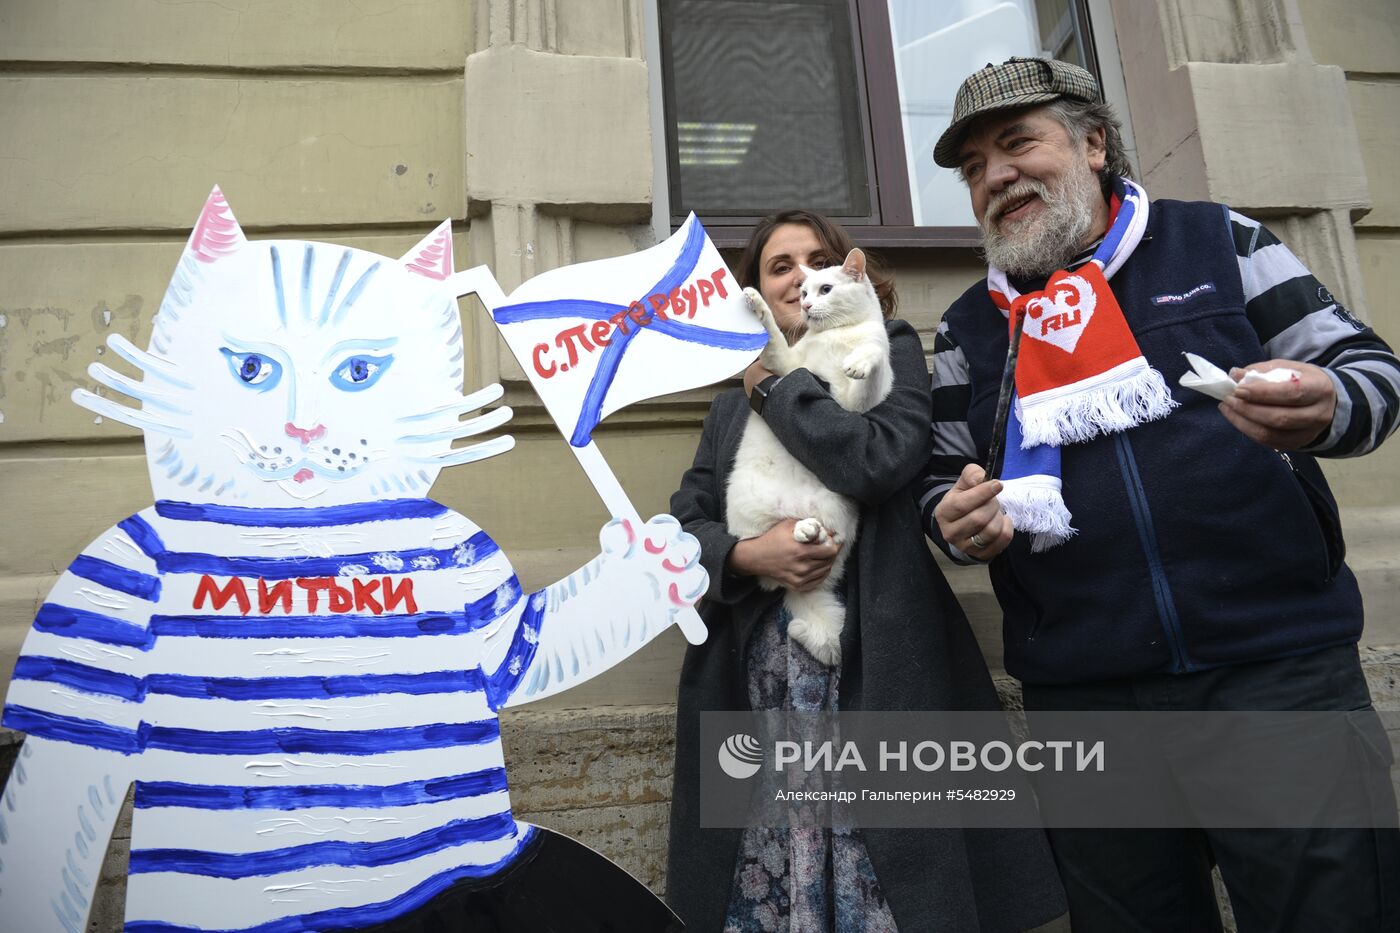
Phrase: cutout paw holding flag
x=598 y=336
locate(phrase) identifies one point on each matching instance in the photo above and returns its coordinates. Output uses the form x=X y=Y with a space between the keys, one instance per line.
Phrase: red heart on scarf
x=1058 y=314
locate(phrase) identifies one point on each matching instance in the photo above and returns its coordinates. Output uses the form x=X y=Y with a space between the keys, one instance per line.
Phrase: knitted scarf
x=1079 y=372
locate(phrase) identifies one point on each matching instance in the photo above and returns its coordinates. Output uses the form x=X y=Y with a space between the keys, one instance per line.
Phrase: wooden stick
x=1008 y=387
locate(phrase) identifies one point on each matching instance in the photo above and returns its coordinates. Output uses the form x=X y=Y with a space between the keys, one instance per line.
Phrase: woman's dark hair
x=835 y=242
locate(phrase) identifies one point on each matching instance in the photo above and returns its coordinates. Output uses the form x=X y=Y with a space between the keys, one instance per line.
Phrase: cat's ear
x=807 y=271
x=854 y=266
x=216 y=233
x=432 y=257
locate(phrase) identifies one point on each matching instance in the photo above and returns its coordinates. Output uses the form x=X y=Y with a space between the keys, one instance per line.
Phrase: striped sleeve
x=1297 y=318
x=79 y=677
x=953 y=447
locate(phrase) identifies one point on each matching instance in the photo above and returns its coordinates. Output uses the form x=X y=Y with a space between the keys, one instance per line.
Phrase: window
x=834 y=105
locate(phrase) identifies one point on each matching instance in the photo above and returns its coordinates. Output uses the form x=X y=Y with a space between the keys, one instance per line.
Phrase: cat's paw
x=820 y=642
x=859 y=363
x=756 y=304
x=662 y=552
x=808 y=530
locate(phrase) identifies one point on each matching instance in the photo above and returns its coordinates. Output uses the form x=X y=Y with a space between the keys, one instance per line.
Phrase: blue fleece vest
x=1197 y=547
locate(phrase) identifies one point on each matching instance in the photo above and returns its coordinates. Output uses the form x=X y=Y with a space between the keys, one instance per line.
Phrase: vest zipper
x=1142 y=517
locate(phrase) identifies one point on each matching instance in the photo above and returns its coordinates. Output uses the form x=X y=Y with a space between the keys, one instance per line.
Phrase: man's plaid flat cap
x=1016 y=82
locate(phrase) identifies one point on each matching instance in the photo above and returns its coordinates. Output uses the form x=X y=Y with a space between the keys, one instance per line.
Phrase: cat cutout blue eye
x=360 y=372
x=824 y=289
x=253 y=369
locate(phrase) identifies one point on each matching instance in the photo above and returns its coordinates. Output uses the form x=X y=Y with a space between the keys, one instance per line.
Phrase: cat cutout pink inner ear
x=432 y=257
x=854 y=266
x=216 y=233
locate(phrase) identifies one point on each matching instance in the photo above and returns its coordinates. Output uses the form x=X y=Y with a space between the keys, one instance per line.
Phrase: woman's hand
x=971 y=519
x=777 y=554
x=755 y=374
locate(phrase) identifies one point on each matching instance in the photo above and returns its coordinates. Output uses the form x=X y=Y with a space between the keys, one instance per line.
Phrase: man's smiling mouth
x=1016 y=208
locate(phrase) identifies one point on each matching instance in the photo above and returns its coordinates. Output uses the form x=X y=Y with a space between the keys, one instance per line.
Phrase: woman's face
x=779 y=276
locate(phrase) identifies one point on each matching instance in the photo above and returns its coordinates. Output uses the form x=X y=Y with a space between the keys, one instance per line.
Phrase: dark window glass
x=764 y=109
x=835 y=105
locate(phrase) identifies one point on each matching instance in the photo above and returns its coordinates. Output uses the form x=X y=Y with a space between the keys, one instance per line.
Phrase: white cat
x=846 y=345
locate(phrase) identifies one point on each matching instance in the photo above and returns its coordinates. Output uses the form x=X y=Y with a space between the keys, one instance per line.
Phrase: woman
x=911 y=649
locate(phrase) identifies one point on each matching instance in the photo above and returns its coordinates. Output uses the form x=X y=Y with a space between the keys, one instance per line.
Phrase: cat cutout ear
x=432 y=257
x=216 y=233
x=854 y=266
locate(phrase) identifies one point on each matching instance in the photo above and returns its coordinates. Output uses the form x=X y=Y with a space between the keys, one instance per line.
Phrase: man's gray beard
x=1039 y=245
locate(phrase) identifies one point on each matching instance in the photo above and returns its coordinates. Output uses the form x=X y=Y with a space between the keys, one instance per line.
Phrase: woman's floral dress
x=803 y=879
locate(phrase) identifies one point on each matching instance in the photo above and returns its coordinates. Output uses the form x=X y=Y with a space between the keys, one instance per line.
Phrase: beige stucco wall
x=527 y=123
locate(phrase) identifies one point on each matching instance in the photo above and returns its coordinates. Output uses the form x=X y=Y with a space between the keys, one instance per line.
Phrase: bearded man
x=1151 y=549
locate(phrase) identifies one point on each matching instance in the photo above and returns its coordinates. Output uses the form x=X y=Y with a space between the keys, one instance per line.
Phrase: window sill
x=727 y=236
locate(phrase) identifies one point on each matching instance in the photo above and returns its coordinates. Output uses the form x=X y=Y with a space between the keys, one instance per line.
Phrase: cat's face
x=293 y=373
x=838 y=296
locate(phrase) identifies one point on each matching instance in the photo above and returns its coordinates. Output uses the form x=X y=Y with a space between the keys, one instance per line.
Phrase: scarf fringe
x=1035 y=506
x=1077 y=414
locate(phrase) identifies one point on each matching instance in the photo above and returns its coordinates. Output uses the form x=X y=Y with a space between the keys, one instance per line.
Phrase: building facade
x=548 y=132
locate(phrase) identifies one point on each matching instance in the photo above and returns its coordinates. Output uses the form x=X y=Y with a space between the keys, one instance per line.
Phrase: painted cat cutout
x=295 y=655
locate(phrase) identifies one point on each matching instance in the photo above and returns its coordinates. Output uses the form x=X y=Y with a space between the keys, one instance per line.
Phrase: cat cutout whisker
x=473 y=426
x=240 y=442
x=470 y=454
x=478 y=399
x=137 y=390
x=146 y=362
x=141 y=420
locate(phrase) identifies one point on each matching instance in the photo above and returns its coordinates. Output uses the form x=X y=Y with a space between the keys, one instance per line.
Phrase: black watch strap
x=759 y=395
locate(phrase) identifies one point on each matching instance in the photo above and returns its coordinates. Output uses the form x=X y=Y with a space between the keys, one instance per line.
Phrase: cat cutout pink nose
x=306 y=435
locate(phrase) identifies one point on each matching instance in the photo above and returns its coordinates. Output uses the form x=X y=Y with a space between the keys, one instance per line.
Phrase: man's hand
x=754 y=375
x=1282 y=415
x=777 y=554
x=970 y=517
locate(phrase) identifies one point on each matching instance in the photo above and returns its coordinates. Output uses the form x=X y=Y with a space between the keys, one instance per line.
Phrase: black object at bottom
x=1279 y=880
x=556 y=885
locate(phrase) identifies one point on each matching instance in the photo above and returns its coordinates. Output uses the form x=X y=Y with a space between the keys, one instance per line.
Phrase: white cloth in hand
x=1206 y=377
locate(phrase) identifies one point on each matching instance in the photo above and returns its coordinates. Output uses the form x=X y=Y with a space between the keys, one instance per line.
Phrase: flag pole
x=480 y=281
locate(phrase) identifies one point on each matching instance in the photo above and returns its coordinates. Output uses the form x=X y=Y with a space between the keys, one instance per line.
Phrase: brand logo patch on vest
x=1205 y=288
